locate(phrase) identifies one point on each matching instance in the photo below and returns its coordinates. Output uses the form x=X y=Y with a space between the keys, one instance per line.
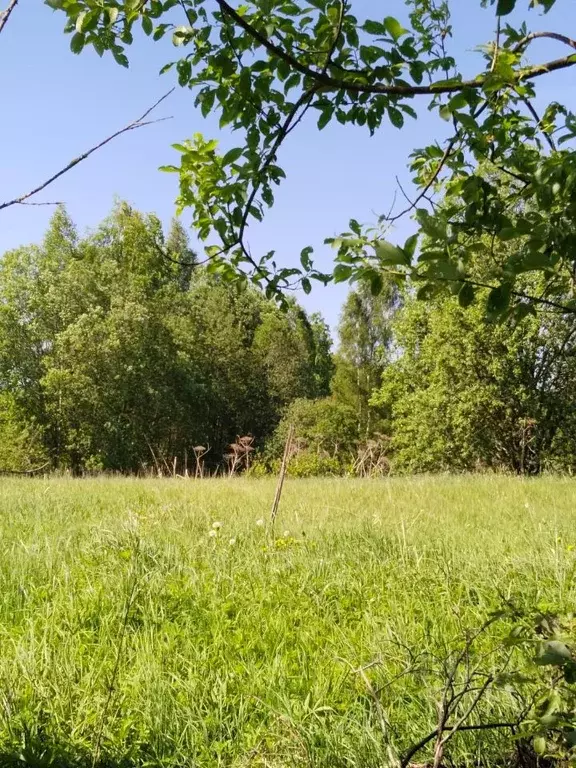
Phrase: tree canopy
x=116 y=354
x=261 y=67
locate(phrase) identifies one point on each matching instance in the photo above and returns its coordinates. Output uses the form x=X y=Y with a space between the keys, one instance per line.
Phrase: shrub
x=307 y=464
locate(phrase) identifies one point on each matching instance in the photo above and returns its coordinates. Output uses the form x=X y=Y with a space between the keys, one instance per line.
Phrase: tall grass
x=130 y=636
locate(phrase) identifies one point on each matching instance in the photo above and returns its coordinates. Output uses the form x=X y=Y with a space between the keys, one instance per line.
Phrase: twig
x=460 y=722
x=334 y=44
x=441 y=163
x=140 y=122
x=519 y=294
x=282 y=133
x=496 y=47
x=536 y=116
x=283 y=468
x=48 y=202
x=427 y=739
x=552 y=35
x=5 y=15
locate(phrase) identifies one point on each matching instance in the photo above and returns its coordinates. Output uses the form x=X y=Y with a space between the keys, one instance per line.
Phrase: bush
x=306 y=464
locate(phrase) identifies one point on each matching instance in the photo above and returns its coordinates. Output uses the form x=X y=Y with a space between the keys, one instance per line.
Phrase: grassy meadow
x=137 y=631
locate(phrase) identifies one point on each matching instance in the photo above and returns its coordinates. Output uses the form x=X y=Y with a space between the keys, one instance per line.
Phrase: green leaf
x=77 y=42
x=292 y=81
x=305 y=259
x=417 y=69
x=410 y=246
x=504 y=7
x=571 y=738
x=80 y=20
x=570 y=673
x=445 y=112
x=466 y=295
x=539 y=744
x=147 y=25
x=245 y=82
x=355 y=227
x=179 y=35
x=459 y=101
x=466 y=120
x=391 y=254
x=232 y=155
x=427 y=291
x=160 y=31
x=342 y=272
x=325 y=117
x=396 y=117
x=553 y=653
x=306 y=286
x=376 y=283
x=394 y=28
x=498 y=299
x=184 y=69
x=88 y=21
x=120 y=58
x=374 y=28
x=509 y=233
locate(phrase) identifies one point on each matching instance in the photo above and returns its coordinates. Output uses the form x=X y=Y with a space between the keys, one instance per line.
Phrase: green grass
x=244 y=654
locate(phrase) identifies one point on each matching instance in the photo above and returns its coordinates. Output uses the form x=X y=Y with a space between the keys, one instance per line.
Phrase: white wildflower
x=286 y=534
x=217 y=525
x=260 y=523
x=212 y=534
x=232 y=542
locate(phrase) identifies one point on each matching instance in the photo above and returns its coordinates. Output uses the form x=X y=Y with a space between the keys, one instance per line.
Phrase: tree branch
x=5 y=15
x=551 y=35
x=564 y=309
x=285 y=129
x=536 y=116
x=336 y=37
x=326 y=80
x=140 y=122
x=441 y=163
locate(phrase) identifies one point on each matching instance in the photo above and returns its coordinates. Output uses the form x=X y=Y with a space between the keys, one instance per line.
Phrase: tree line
x=119 y=351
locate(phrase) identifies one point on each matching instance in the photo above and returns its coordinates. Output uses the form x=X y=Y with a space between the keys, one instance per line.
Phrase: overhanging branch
x=550 y=35
x=140 y=122
x=353 y=86
x=5 y=15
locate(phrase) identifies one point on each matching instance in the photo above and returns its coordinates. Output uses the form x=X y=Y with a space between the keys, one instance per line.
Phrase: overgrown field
x=131 y=636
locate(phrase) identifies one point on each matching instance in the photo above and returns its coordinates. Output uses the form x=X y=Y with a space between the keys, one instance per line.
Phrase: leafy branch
x=435 y=88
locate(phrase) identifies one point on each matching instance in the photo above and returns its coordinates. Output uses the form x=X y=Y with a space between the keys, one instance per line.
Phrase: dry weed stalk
x=239 y=454
x=199 y=452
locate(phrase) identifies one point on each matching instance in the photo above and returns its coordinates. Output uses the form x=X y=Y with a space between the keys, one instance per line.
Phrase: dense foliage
x=118 y=352
x=464 y=394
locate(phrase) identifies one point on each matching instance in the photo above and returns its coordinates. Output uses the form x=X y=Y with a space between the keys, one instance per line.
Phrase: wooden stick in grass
x=283 y=468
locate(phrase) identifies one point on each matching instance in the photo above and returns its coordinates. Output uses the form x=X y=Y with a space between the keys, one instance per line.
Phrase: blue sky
x=56 y=105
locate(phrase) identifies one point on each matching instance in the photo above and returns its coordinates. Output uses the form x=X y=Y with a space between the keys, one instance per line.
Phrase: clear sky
x=56 y=105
